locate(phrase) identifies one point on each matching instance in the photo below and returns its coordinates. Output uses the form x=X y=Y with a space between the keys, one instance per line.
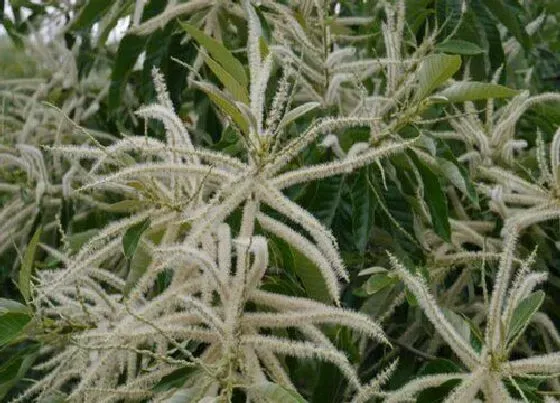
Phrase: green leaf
x=220 y=54
x=435 y=198
x=523 y=313
x=469 y=186
x=297 y=112
x=239 y=92
x=11 y=306
x=328 y=379
x=129 y=49
x=440 y=366
x=489 y=33
x=410 y=298
x=227 y=106
x=472 y=91
x=459 y=324
x=195 y=392
x=126 y=206
x=156 y=54
x=132 y=237
x=15 y=368
x=12 y=32
x=434 y=71
x=11 y=326
x=297 y=270
x=377 y=282
x=138 y=265
x=452 y=173
x=459 y=47
x=109 y=24
x=55 y=396
x=477 y=338
x=459 y=177
x=175 y=379
x=363 y=209
x=24 y=280
x=507 y=16
x=90 y=13
x=326 y=198
x=78 y=239
x=438 y=394
x=310 y=276
x=448 y=15
x=530 y=388
x=263 y=47
x=275 y=393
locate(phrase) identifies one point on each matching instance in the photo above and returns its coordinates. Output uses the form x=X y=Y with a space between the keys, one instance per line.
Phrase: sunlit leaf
x=434 y=71
x=24 y=280
x=132 y=237
x=523 y=313
x=296 y=113
x=459 y=47
x=220 y=54
x=227 y=106
x=472 y=91
x=238 y=92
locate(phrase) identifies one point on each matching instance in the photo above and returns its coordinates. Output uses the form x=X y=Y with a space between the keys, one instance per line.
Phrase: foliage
x=279 y=201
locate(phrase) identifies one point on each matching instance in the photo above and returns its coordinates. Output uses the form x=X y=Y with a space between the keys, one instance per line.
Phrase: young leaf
x=220 y=54
x=523 y=313
x=469 y=186
x=24 y=280
x=11 y=306
x=434 y=198
x=472 y=91
x=227 y=106
x=452 y=173
x=239 y=92
x=132 y=237
x=377 y=282
x=459 y=324
x=434 y=71
x=459 y=47
x=275 y=393
x=138 y=265
x=296 y=113
x=263 y=47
